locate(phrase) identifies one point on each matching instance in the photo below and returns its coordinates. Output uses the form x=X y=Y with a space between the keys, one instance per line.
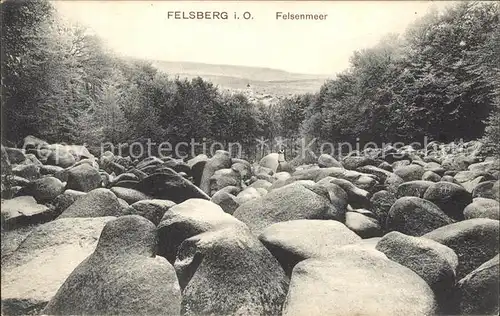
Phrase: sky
x=142 y=29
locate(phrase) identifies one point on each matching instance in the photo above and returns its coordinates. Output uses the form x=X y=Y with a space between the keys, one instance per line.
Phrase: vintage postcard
x=250 y=158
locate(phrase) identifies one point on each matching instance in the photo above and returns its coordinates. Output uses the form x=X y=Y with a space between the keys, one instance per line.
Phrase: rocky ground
x=384 y=232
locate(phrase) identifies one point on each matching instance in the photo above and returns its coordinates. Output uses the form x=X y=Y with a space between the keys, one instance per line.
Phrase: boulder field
x=409 y=231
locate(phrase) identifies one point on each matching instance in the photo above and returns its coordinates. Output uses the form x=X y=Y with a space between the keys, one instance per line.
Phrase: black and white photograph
x=250 y=158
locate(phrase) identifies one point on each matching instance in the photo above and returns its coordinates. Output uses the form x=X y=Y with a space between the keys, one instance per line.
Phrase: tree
x=440 y=80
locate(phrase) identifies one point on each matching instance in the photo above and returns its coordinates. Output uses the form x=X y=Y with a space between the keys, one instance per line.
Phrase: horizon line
x=326 y=75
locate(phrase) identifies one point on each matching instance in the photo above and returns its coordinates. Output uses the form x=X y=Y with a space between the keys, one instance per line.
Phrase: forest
x=439 y=79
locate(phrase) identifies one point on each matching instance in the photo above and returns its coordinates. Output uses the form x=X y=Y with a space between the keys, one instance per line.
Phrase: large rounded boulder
x=270 y=161
x=229 y=272
x=221 y=160
x=327 y=161
x=83 y=178
x=97 y=203
x=30 y=172
x=432 y=261
x=356 y=197
x=415 y=216
x=474 y=241
x=243 y=167
x=246 y=195
x=410 y=173
x=197 y=164
x=129 y=195
x=223 y=178
x=24 y=211
x=354 y=162
x=357 y=282
x=487 y=189
x=151 y=209
x=451 y=198
x=226 y=201
x=294 y=201
x=169 y=185
x=13 y=155
x=293 y=241
x=187 y=219
x=65 y=199
x=431 y=176
x=121 y=276
x=482 y=208
x=45 y=189
x=381 y=203
x=478 y=292
x=413 y=188
x=60 y=156
x=338 y=196
x=363 y=225
x=34 y=272
x=380 y=173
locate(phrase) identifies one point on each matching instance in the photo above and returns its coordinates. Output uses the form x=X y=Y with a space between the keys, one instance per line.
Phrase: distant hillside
x=264 y=84
x=243 y=72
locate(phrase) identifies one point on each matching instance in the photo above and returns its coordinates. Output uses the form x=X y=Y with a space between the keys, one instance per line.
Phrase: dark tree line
x=440 y=79
x=60 y=83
